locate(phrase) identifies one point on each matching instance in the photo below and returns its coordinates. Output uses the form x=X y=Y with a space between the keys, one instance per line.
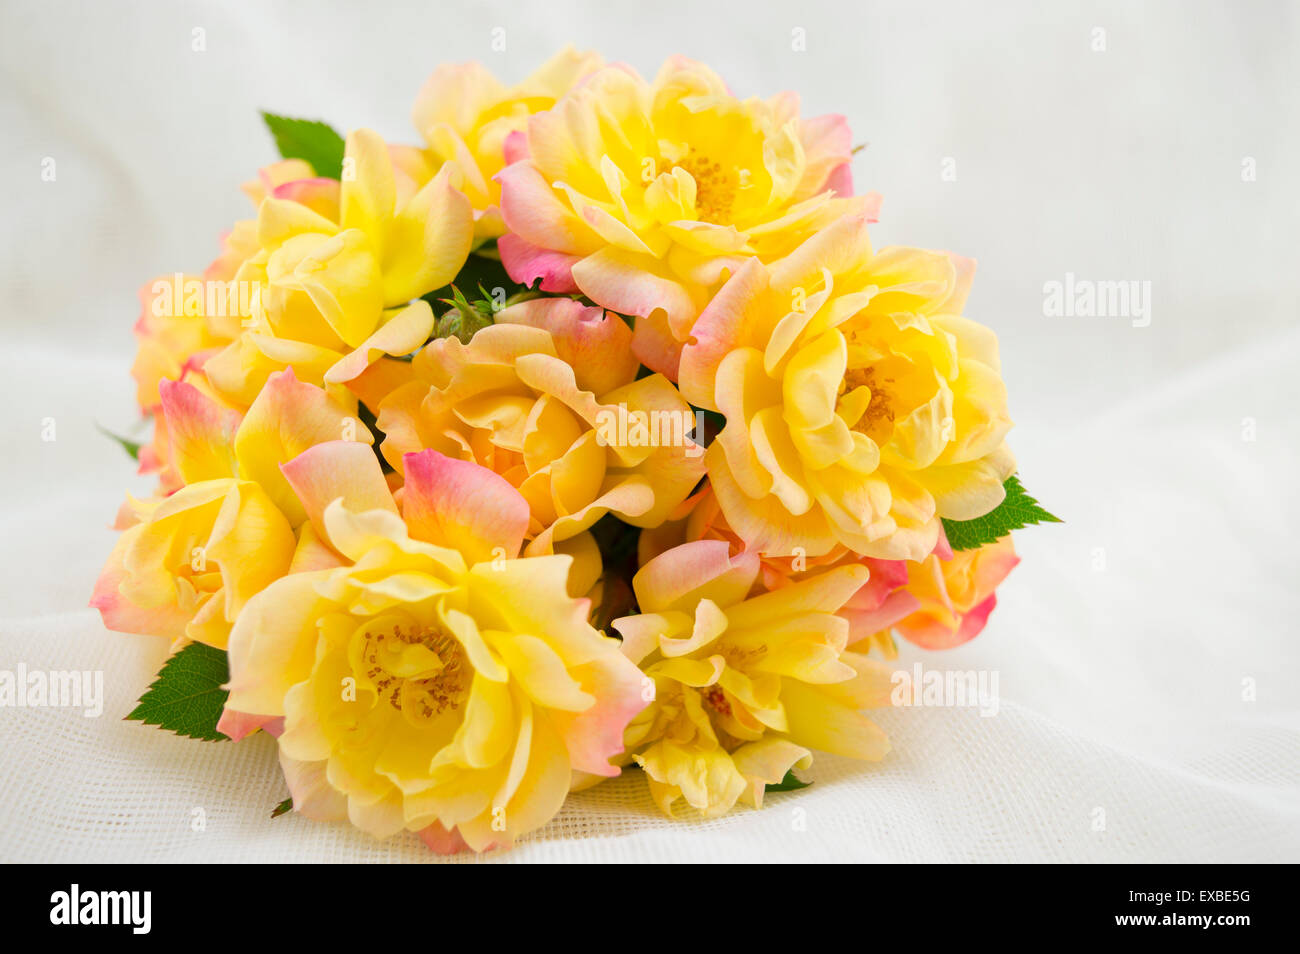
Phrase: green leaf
x=308 y=139
x=283 y=808
x=187 y=697
x=130 y=446
x=788 y=784
x=1016 y=511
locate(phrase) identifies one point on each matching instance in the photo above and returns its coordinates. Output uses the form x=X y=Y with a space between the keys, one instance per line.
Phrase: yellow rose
x=949 y=596
x=549 y=399
x=646 y=196
x=431 y=680
x=861 y=407
x=744 y=686
x=193 y=559
x=329 y=294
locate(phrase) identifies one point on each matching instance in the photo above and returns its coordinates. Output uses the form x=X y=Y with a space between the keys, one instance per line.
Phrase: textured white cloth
x=1130 y=642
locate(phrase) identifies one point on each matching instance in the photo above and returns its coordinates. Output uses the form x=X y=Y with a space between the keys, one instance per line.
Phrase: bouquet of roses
x=590 y=433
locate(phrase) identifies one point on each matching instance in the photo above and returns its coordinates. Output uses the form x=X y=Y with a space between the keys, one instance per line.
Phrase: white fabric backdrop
x=1121 y=686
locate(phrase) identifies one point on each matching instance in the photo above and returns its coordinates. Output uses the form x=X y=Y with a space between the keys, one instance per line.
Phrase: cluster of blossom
x=590 y=432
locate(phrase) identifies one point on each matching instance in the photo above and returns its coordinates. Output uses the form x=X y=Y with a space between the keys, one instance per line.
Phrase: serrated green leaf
x=1016 y=511
x=788 y=784
x=308 y=139
x=187 y=697
x=283 y=808
x=130 y=446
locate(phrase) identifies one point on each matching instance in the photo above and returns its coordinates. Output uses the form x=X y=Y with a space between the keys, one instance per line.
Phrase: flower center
x=715 y=187
x=716 y=699
x=419 y=670
x=877 y=417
